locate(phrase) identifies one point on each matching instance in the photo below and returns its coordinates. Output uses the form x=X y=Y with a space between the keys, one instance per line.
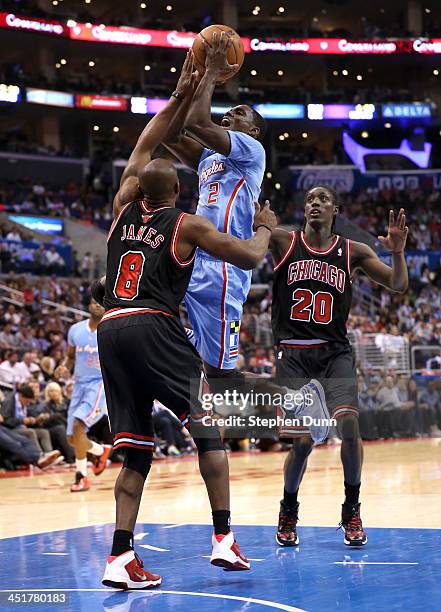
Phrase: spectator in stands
x=23 y=368
x=406 y=426
x=14 y=446
x=47 y=365
x=429 y=403
x=168 y=427
x=14 y=235
x=40 y=260
x=15 y=416
x=9 y=370
x=7 y=337
x=388 y=405
x=87 y=266
x=55 y=263
x=12 y=316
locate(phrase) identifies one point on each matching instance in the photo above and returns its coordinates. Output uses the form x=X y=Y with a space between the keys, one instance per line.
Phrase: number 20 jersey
x=143 y=267
x=312 y=292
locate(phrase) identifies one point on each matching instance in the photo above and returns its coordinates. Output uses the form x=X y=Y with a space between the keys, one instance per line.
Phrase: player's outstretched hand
x=188 y=79
x=216 y=54
x=264 y=216
x=395 y=241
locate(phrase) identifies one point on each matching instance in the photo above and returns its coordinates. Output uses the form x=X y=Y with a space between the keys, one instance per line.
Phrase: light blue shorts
x=214 y=302
x=88 y=404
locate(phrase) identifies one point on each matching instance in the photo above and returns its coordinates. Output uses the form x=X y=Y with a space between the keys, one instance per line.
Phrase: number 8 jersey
x=144 y=270
x=312 y=292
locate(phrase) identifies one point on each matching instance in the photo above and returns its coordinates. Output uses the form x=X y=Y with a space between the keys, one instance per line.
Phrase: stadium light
x=387 y=125
x=143 y=5
x=277 y=185
x=359 y=77
x=147 y=67
x=269 y=175
x=91 y=63
x=63 y=61
x=253 y=72
x=96 y=128
x=169 y=7
x=280 y=72
x=365 y=134
x=172 y=69
x=116 y=129
x=305 y=135
x=436 y=72
x=345 y=72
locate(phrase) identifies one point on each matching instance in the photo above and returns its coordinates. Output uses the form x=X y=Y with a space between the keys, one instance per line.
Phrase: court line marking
x=263 y=602
x=140 y=536
x=208 y=557
x=373 y=563
x=57 y=554
x=173 y=526
x=150 y=547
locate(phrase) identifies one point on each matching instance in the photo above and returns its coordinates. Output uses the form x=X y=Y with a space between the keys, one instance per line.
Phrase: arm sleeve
x=70 y=337
x=246 y=150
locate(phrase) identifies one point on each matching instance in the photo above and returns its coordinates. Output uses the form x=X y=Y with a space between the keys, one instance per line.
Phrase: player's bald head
x=159 y=182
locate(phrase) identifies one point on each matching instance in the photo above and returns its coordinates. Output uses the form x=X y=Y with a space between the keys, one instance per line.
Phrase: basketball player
x=88 y=403
x=230 y=161
x=144 y=351
x=311 y=302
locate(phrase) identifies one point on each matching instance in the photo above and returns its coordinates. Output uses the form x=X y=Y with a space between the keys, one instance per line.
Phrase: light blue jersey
x=88 y=402
x=228 y=187
x=84 y=341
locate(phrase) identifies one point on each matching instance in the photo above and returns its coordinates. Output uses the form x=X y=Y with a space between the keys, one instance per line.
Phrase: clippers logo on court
x=313 y=269
x=214 y=168
x=234 y=338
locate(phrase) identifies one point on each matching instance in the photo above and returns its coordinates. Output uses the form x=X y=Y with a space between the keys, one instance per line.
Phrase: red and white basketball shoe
x=81 y=483
x=100 y=461
x=127 y=572
x=226 y=553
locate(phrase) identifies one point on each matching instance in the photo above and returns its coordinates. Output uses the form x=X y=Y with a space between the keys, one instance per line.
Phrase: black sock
x=122 y=542
x=221 y=521
x=352 y=493
x=290 y=499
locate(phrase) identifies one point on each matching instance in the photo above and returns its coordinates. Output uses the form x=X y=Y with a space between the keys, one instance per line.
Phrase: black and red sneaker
x=287 y=529
x=352 y=525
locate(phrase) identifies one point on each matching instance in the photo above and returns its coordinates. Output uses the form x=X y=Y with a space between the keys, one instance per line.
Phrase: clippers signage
x=136 y=36
x=33 y=24
x=115 y=103
x=427 y=46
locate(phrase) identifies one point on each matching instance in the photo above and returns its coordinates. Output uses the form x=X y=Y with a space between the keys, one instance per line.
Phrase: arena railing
x=16 y=297
x=381 y=351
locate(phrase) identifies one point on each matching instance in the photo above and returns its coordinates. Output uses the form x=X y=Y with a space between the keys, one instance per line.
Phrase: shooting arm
x=150 y=138
x=394 y=278
x=185 y=148
x=199 y=123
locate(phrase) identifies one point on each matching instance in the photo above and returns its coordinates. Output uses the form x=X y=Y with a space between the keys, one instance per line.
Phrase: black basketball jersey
x=143 y=267
x=312 y=292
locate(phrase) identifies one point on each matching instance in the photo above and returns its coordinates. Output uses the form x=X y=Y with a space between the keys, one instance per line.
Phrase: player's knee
x=302 y=447
x=78 y=428
x=204 y=445
x=138 y=460
x=348 y=428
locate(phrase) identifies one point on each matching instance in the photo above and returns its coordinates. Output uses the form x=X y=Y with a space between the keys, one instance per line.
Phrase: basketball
x=235 y=53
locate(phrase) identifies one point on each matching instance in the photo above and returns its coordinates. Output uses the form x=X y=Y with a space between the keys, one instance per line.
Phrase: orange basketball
x=235 y=53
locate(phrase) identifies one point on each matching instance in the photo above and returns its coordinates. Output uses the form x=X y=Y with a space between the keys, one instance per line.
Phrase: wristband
x=397 y=252
x=263 y=225
x=178 y=96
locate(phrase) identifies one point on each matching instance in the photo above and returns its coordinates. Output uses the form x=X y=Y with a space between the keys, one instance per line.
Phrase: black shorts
x=146 y=357
x=332 y=364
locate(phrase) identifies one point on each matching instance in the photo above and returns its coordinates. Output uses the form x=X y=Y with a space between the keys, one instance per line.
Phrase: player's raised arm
x=196 y=231
x=199 y=123
x=363 y=257
x=150 y=138
x=186 y=149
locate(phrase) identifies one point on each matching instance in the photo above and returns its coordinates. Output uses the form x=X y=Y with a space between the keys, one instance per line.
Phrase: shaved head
x=159 y=182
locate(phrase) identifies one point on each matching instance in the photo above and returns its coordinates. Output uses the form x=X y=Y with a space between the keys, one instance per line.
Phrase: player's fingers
x=402 y=220
x=391 y=218
x=256 y=207
x=381 y=239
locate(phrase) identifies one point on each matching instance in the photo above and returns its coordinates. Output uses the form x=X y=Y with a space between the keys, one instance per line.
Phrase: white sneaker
x=226 y=553
x=127 y=572
x=315 y=408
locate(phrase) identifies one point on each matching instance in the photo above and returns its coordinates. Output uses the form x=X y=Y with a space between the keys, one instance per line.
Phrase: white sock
x=95 y=449
x=82 y=466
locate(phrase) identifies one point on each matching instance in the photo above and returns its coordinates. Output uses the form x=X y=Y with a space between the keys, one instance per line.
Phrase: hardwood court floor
x=401 y=487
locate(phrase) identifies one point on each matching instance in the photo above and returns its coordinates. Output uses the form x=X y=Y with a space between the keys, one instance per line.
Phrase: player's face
x=319 y=207
x=96 y=309
x=238 y=119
